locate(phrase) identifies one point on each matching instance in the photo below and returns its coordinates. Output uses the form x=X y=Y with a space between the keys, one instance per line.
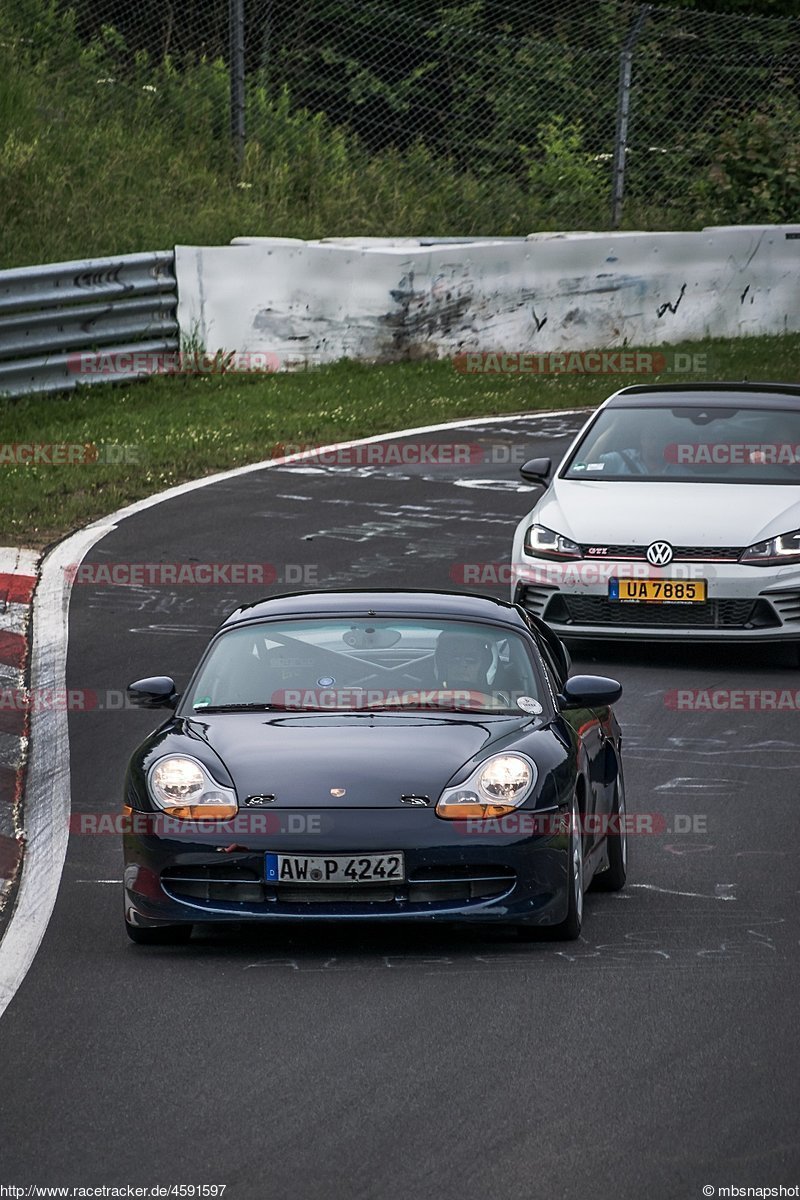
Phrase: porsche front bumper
x=453 y=872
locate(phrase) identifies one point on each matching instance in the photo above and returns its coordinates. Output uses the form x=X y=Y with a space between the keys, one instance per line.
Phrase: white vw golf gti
x=675 y=514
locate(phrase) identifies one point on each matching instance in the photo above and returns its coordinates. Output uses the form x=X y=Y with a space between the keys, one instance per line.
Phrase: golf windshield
x=691 y=445
x=356 y=665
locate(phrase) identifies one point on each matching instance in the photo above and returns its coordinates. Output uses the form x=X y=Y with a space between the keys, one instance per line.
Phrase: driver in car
x=461 y=661
x=648 y=458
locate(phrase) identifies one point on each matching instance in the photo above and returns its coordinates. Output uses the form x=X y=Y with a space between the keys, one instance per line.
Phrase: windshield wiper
x=365 y=708
x=427 y=708
x=216 y=708
x=338 y=712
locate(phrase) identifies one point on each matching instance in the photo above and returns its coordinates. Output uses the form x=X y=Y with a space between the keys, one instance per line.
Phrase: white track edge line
x=47 y=792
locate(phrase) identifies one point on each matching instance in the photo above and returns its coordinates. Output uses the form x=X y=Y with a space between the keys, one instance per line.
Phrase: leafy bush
x=109 y=147
x=561 y=174
x=751 y=167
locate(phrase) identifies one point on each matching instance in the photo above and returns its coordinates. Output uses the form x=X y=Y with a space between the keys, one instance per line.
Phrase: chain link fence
x=440 y=118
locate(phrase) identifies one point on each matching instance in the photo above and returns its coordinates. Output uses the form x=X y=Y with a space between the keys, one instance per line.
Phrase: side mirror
x=535 y=470
x=589 y=691
x=156 y=692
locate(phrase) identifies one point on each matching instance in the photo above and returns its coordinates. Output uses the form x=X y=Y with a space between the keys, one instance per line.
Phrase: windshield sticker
x=529 y=705
x=202 y=702
x=579 y=467
x=595 y=466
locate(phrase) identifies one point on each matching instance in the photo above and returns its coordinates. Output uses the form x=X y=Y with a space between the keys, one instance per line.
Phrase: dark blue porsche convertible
x=375 y=755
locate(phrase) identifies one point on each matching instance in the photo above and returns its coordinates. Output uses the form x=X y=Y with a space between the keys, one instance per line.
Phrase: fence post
x=623 y=111
x=236 y=17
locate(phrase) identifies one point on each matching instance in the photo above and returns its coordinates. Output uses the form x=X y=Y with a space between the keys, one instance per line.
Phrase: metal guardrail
x=52 y=315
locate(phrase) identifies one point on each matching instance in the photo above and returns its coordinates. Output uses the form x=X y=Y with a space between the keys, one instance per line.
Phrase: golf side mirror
x=536 y=470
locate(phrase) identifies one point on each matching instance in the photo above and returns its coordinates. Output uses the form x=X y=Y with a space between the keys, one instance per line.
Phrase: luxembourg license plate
x=335 y=868
x=658 y=591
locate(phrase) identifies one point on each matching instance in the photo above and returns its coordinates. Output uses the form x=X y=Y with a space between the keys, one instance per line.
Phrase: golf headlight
x=495 y=788
x=184 y=789
x=782 y=549
x=546 y=543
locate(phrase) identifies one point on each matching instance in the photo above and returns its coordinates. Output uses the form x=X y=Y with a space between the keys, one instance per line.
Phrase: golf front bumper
x=585 y=599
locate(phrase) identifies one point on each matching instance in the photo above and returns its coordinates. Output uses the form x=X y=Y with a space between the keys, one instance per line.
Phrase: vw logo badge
x=659 y=554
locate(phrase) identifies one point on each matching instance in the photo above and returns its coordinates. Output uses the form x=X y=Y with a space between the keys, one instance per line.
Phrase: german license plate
x=335 y=868
x=658 y=591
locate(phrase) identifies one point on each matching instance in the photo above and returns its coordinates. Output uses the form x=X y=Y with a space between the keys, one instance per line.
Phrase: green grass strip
x=183 y=428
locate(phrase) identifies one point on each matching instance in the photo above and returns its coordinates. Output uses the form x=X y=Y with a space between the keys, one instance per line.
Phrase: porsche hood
x=345 y=760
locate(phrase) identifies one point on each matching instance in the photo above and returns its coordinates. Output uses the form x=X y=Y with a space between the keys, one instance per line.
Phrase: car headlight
x=785 y=548
x=546 y=543
x=495 y=788
x=184 y=789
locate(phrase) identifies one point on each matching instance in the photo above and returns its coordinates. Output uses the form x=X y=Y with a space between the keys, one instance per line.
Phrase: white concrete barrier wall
x=393 y=299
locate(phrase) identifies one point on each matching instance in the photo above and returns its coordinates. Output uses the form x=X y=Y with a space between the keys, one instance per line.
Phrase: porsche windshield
x=691 y=444
x=335 y=665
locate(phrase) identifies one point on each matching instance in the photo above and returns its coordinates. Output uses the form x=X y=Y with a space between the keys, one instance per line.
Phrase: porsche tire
x=613 y=878
x=568 y=930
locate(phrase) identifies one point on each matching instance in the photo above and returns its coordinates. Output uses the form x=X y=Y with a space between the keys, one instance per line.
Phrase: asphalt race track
x=655 y=1056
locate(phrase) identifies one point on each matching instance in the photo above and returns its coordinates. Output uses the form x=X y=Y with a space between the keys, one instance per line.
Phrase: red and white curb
x=17 y=583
